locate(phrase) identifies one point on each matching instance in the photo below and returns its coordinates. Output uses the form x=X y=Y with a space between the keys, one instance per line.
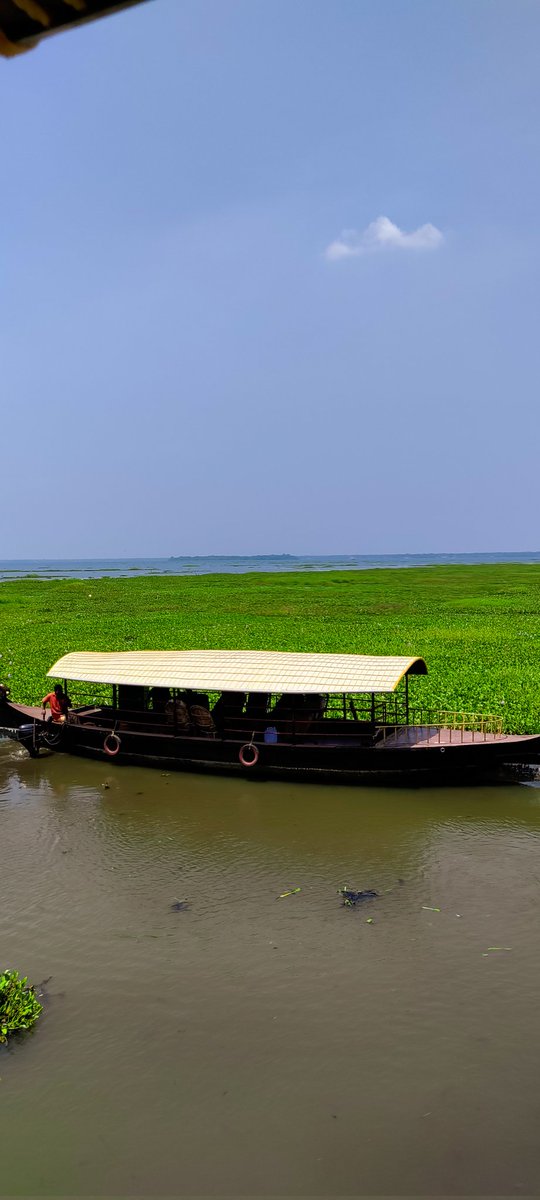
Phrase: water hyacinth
x=478 y=627
x=19 y=1006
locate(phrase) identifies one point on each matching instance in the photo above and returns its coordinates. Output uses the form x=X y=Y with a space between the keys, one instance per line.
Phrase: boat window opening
x=239 y=715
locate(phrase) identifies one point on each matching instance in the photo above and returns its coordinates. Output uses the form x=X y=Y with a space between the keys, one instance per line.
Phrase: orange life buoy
x=112 y=744
x=252 y=752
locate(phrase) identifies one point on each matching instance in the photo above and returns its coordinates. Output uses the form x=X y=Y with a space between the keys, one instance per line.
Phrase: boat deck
x=24 y=710
x=417 y=736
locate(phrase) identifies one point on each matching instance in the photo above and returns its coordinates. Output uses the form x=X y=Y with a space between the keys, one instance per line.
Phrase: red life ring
x=113 y=749
x=252 y=751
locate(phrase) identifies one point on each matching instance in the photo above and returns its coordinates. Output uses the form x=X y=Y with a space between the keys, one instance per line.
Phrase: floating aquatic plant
x=478 y=627
x=19 y=1006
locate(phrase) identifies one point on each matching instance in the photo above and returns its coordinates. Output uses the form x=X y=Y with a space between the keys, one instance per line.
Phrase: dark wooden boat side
x=426 y=758
x=14 y=715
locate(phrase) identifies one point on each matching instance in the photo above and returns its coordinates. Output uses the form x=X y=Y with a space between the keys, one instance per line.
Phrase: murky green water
x=255 y=1046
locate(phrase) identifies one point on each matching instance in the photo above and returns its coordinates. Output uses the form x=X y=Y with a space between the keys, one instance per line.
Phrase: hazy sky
x=269 y=280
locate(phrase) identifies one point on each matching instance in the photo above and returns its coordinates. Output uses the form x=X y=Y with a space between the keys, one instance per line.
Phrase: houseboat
x=265 y=715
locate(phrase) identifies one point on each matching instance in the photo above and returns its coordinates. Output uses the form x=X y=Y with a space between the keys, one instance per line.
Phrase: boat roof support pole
x=406 y=699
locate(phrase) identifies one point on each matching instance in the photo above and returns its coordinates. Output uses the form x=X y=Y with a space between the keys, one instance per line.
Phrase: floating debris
x=180 y=906
x=351 y=898
x=292 y=892
x=369 y=921
x=428 y=908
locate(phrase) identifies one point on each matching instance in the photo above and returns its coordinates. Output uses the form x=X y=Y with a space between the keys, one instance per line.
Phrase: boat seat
x=202 y=720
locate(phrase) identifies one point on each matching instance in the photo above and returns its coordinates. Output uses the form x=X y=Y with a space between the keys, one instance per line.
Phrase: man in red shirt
x=58 y=703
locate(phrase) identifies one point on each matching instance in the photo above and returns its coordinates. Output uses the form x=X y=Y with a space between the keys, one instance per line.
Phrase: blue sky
x=195 y=358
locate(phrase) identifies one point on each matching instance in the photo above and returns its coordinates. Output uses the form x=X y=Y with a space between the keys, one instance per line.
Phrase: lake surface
x=95 y=568
x=261 y=1046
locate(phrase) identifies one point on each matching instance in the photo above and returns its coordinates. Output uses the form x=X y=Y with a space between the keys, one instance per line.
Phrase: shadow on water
x=251 y=1045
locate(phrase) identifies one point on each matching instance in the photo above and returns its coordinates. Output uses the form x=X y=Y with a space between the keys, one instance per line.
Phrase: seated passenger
x=177 y=714
x=201 y=719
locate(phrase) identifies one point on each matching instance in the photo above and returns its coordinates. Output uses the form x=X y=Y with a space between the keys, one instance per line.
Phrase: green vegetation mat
x=19 y=1006
x=478 y=627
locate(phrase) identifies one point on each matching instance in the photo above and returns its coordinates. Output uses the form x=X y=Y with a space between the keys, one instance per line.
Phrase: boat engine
x=30 y=737
x=35 y=737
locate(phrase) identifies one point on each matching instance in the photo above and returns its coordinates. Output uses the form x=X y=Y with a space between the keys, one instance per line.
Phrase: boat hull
x=468 y=762
x=12 y=715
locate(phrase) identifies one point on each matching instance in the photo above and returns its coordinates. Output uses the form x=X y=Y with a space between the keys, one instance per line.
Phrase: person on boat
x=177 y=714
x=58 y=703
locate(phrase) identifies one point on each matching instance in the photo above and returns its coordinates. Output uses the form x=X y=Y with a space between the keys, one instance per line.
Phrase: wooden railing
x=442 y=725
x=445 y=726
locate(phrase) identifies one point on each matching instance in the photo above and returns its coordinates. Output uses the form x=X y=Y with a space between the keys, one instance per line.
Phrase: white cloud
x=382 y=234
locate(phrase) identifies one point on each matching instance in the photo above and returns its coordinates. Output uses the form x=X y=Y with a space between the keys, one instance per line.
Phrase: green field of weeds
x=478 y=627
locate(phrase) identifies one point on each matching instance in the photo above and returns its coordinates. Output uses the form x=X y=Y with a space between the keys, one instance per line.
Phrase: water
x=256 y=1046
x=95 y=568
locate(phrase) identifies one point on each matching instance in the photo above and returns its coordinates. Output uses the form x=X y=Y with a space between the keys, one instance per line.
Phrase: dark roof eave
x=19 y=31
